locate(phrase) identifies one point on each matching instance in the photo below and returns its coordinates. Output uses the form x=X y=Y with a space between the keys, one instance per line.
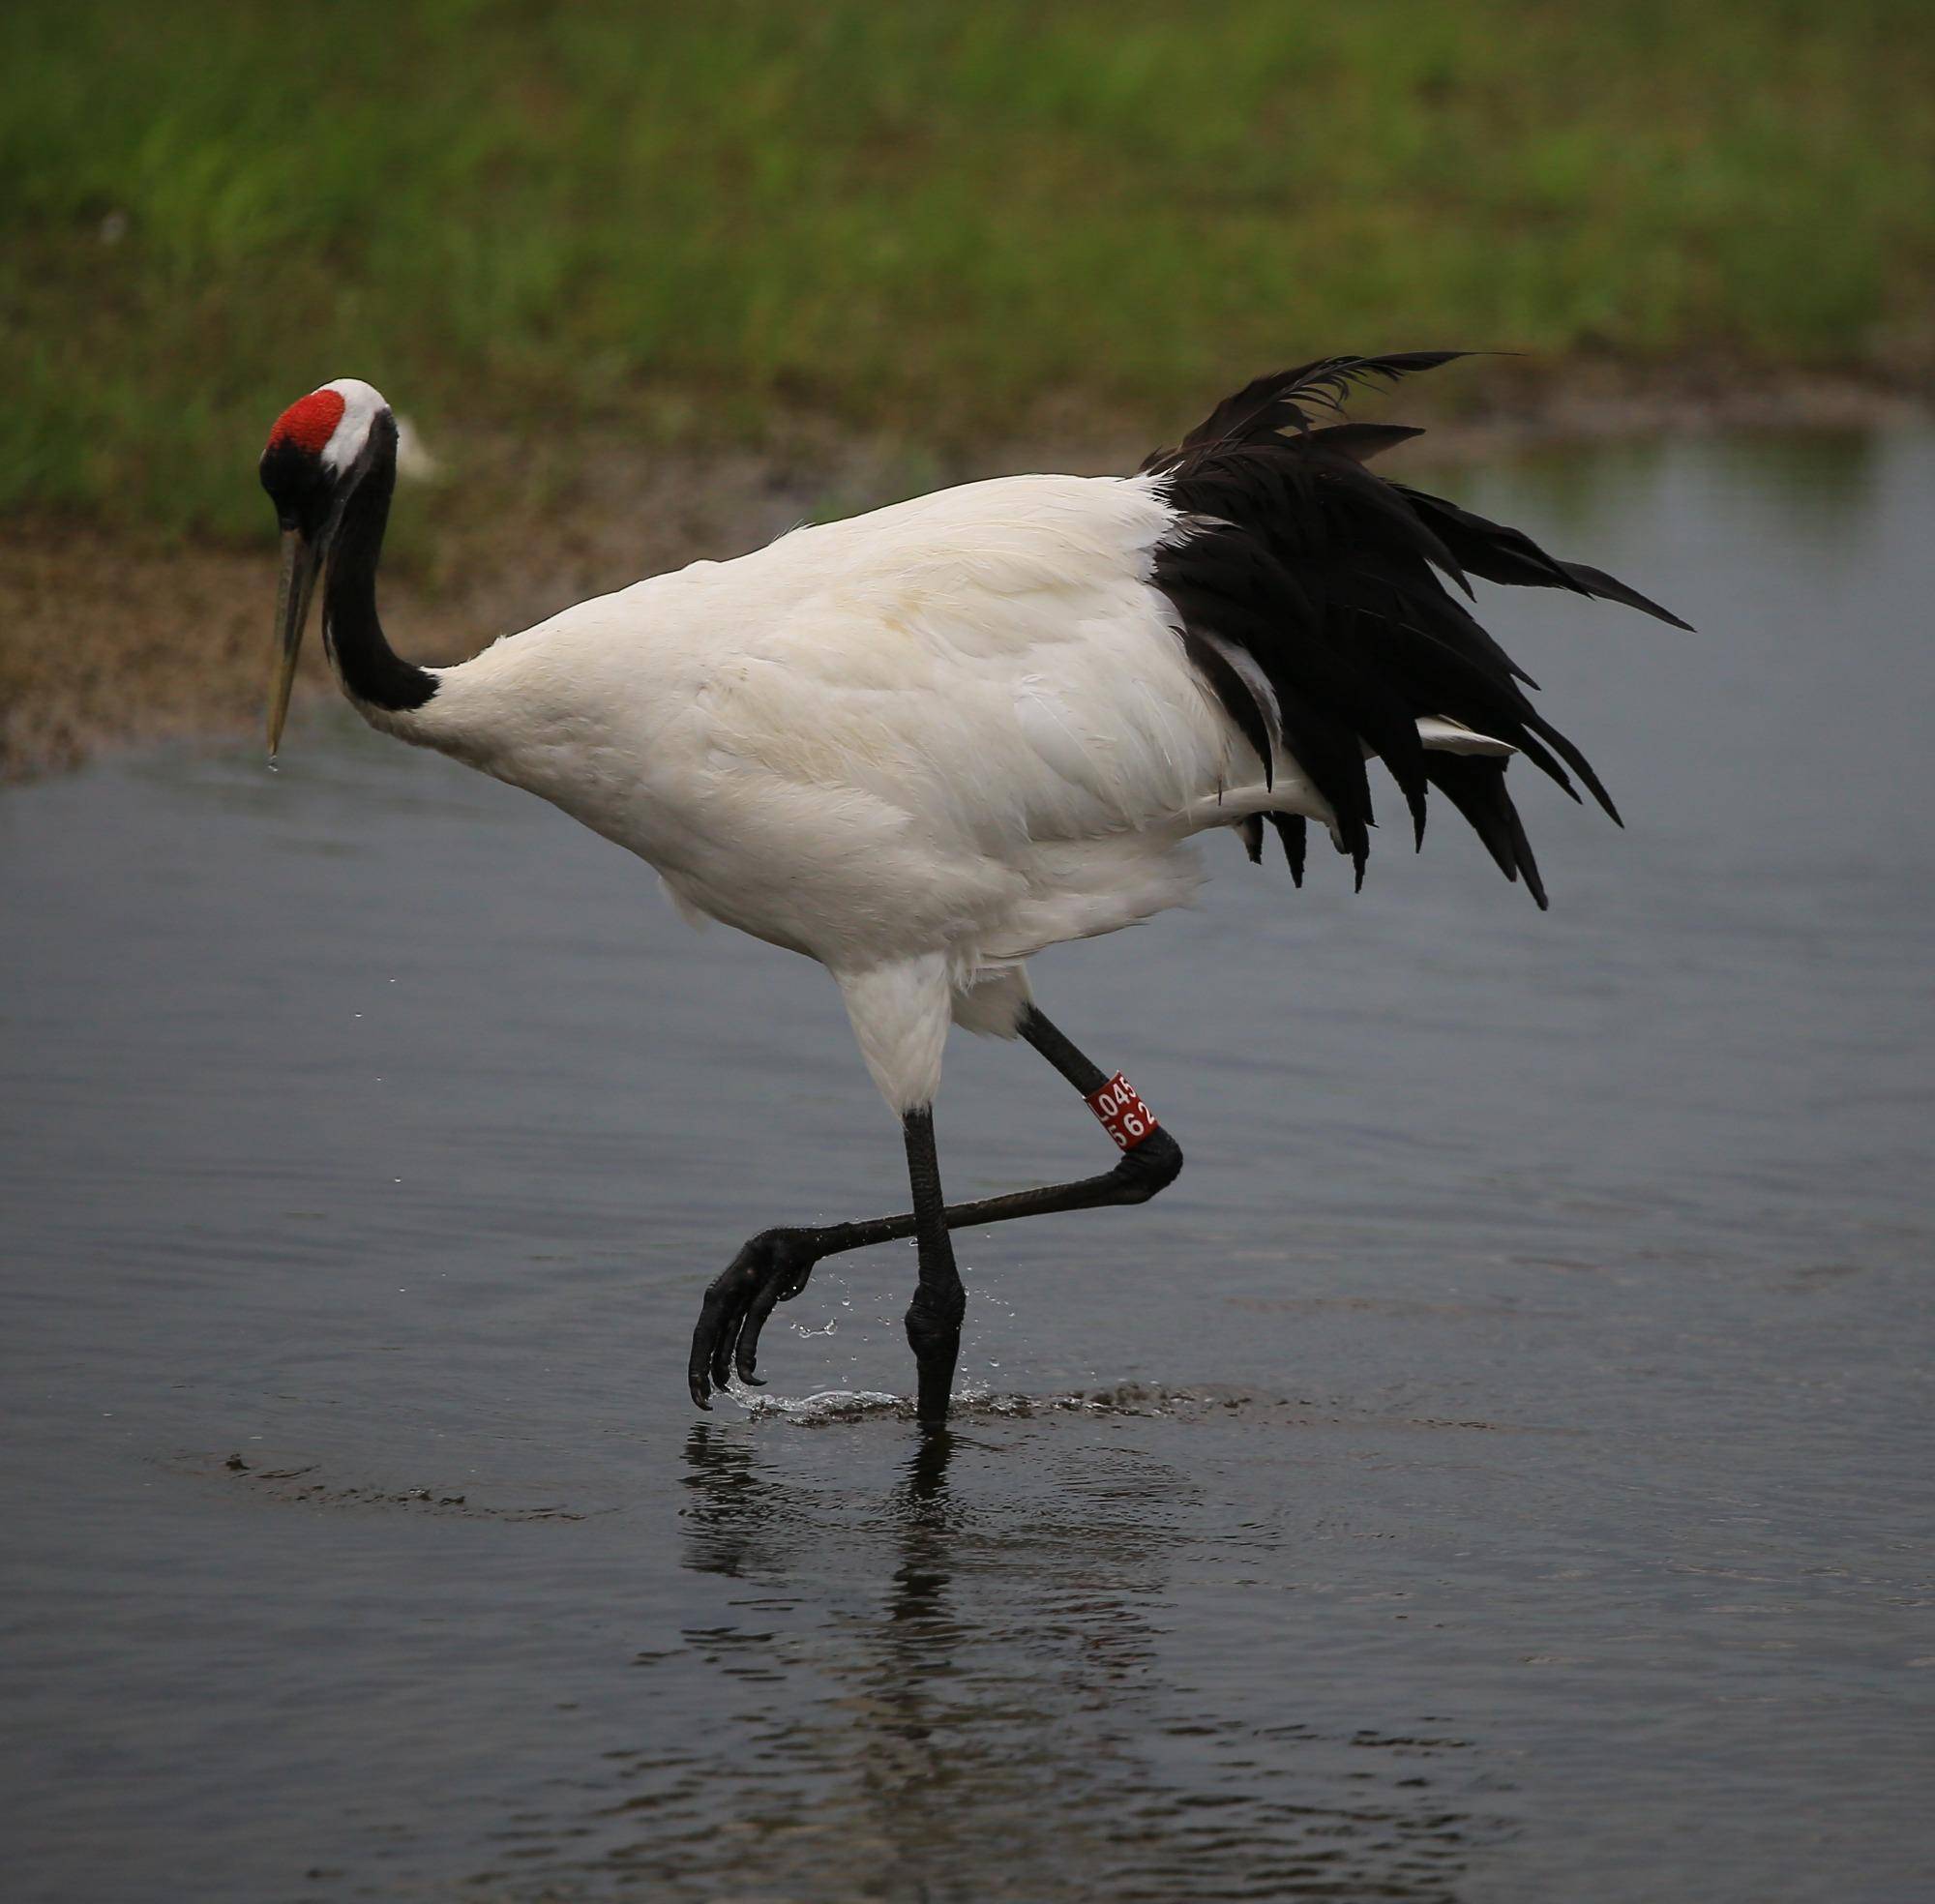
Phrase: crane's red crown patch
x=309 y=422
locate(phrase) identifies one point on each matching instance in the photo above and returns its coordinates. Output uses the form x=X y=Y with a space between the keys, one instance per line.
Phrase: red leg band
x=1123 y=1115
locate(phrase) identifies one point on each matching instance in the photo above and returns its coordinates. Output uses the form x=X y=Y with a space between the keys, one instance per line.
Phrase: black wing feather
x=1331 y=581
x=1291 y=830
x=1361 y=441
x=1281 y=400
x=1500 y=555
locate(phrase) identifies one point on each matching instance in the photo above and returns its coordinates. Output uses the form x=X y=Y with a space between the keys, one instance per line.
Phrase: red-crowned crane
x=921 y=745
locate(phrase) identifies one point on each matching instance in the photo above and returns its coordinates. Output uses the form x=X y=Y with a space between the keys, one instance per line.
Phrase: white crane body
x=924 y=744
x=918 y=746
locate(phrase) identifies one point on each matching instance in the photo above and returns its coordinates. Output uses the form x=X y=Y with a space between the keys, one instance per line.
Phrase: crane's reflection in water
x=944 y=1693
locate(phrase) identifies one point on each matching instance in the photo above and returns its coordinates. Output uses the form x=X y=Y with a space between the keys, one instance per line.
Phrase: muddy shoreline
x=110 y=638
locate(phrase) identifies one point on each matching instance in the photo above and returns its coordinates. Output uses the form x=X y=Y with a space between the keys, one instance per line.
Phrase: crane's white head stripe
x=361 y=404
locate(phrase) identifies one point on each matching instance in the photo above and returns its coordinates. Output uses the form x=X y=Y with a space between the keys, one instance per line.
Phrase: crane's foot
x=773 y=1267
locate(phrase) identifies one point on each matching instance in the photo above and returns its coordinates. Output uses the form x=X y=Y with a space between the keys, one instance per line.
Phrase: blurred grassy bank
x=946 y=223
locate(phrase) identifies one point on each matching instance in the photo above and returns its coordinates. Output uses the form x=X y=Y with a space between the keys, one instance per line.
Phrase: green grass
x=948 y=221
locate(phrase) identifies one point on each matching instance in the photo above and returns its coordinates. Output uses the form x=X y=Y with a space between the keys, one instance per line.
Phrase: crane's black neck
x=370 y=670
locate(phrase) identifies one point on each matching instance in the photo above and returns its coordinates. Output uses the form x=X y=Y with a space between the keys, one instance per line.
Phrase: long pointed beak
x=300 y=564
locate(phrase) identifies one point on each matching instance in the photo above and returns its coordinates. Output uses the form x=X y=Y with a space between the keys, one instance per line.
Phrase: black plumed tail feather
x=1498 y=553
x=1281 y=400
x=1477 y=787
x=1331 y=581
x=1292 y=831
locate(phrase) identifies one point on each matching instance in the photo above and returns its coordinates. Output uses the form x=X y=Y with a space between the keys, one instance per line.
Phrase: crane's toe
x=773 y=1267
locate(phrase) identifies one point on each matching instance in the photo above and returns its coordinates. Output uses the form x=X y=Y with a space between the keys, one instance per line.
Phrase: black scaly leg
x=934 y=1316
x=774 y=1266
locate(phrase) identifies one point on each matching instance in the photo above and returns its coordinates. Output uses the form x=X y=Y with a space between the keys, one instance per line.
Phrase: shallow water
x=1498 y=1470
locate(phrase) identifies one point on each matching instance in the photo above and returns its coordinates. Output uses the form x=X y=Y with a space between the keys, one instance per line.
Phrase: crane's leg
x=934 y=1316
x=774 y=1266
